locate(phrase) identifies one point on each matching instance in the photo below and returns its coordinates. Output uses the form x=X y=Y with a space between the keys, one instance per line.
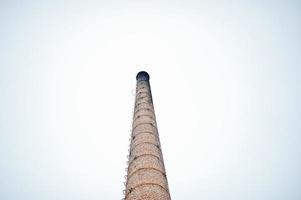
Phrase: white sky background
x=226 y=85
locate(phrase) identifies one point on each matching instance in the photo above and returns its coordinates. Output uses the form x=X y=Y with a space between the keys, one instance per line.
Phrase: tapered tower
x=146 y=176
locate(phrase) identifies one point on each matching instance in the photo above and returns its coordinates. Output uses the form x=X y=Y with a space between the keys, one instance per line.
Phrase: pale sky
x=226 y=85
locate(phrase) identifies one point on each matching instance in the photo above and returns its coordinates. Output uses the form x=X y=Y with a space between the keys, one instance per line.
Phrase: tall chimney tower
x=146 y=177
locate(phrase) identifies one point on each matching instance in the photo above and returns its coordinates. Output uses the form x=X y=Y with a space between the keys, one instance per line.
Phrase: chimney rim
x=142 y=76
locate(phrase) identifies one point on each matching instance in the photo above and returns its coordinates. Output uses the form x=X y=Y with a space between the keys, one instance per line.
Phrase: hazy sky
x=226 y=84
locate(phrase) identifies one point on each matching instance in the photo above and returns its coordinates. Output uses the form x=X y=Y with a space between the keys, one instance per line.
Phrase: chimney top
x=142 y=76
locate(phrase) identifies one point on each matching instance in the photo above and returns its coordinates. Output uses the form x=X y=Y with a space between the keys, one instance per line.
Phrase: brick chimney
x=146 y=176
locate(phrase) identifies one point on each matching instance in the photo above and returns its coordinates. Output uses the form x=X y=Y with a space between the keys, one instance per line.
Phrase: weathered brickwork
x=148 y=191
x=146 y=176
x=144 y=137
x=149 y=162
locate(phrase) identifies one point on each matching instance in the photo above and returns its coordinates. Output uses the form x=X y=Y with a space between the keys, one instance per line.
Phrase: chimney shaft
x=146 y=176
